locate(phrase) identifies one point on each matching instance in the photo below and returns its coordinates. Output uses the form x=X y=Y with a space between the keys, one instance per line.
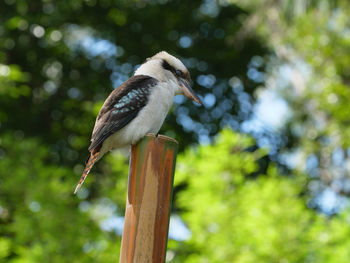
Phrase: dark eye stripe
x=176 y=72
x=167 y=66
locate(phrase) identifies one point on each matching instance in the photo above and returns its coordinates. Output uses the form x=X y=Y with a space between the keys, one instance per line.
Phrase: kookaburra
x=138 y=106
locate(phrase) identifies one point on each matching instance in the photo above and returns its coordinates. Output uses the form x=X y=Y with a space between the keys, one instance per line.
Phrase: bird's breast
x=149 y=120
x=152 y=116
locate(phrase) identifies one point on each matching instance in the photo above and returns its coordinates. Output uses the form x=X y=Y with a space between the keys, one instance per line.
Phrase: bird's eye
x=178 y=73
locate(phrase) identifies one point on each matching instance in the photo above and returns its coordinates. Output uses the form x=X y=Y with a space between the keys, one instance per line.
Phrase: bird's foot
x=152 y=134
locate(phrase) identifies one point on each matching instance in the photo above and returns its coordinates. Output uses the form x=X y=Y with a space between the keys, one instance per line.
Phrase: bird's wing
x=121 y=107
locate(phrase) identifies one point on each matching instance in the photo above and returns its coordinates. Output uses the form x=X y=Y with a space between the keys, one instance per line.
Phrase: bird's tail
x=89 y=163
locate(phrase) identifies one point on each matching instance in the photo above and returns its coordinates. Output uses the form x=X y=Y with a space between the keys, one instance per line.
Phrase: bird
x=138 y=106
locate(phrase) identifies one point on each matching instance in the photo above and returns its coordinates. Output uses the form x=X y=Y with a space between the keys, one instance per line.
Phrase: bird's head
x=167 y=68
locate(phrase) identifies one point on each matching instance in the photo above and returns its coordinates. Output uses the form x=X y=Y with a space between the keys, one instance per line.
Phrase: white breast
x=149 y=120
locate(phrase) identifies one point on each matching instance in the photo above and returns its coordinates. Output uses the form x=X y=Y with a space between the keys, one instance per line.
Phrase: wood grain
x=148 y=205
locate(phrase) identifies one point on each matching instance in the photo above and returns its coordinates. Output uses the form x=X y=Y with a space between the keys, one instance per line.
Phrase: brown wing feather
x=109 y=119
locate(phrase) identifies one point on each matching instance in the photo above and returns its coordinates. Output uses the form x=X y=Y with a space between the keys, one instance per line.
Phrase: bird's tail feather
x=89 y=163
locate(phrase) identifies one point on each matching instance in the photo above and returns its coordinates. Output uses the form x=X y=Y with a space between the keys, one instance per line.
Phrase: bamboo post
x=148 y=204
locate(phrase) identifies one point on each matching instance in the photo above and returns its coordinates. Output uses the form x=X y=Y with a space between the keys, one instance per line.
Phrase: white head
x=167 y=68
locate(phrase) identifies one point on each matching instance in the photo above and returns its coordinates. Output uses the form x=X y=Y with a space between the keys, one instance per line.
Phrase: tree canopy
x=250 y=186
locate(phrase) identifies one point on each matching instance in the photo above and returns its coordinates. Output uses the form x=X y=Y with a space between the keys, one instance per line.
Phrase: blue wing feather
x=121 y=107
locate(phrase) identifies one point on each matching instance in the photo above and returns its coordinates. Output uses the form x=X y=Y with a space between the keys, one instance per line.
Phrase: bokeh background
x=263 y=169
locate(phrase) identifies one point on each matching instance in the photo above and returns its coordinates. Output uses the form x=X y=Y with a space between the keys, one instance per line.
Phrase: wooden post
x=148 y=204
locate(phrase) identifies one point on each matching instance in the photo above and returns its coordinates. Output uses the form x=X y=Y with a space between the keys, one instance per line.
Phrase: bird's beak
x=188 y=92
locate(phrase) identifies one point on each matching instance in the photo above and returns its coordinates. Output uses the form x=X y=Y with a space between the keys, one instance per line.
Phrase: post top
x=161 y=137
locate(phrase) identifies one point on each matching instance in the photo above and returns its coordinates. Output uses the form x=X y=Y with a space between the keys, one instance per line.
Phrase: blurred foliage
x=237 y=219
x=63 y=58
x=60 y=59
x=232 y=217
x=40 y=220
x=311 y=43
